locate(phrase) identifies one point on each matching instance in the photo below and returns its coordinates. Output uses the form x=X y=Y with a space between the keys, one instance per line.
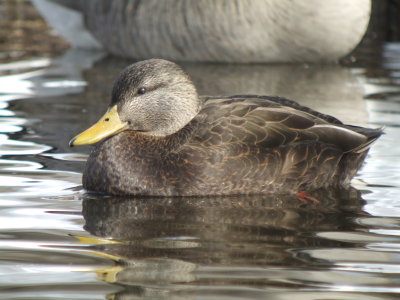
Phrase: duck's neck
x=146 y=145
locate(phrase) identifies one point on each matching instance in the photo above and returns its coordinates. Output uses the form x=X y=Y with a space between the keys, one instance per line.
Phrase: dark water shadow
x=161 y=242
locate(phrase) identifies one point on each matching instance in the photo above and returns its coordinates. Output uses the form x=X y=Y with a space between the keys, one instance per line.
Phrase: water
x=56 y=242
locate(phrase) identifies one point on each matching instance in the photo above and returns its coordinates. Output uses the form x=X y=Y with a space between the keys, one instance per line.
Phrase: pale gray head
x=155 y=97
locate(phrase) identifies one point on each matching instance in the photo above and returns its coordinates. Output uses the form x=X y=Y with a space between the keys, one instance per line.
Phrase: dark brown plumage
x=228 y=145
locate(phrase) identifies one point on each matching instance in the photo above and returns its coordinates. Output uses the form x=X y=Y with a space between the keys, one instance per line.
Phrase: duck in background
x=240 y=31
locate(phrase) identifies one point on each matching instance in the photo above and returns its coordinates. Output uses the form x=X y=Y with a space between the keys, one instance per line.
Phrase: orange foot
x=307 y=198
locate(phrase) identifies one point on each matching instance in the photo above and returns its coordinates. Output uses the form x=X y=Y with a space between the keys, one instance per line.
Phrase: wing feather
x=270 y=122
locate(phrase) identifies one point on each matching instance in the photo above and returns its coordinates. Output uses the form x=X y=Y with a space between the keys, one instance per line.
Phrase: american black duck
x=160 y=138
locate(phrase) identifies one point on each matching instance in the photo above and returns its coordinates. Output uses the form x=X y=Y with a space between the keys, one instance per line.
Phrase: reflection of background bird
x=331 y=89
x=207 y=30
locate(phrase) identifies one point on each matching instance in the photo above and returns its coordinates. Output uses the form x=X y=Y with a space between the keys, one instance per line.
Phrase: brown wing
x=268 y=123
x=254 y=144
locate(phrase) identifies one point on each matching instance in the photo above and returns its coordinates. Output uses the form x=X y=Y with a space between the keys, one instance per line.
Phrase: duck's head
x=154 y=97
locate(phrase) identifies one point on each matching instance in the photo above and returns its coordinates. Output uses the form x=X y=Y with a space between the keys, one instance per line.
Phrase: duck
x=213 y=31
x=158 y=137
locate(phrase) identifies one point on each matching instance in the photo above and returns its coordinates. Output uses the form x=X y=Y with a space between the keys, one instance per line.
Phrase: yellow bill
x=110 y=124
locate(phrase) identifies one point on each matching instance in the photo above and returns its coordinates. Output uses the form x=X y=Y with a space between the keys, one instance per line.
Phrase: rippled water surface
x=56 y=242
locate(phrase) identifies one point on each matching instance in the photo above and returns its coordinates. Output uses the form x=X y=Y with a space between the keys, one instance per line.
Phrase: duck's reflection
x=166 y=240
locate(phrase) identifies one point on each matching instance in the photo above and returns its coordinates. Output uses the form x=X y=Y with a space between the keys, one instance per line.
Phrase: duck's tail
x=371 y=134
x=353 y=159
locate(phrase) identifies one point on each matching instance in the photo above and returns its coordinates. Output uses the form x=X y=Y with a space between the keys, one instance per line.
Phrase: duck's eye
x=141 y=91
